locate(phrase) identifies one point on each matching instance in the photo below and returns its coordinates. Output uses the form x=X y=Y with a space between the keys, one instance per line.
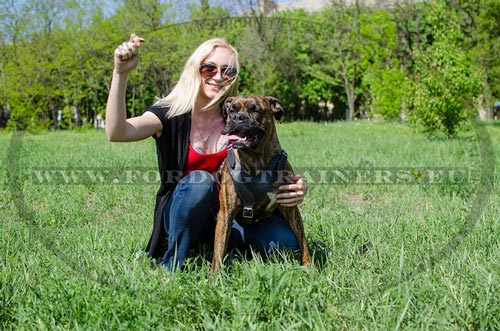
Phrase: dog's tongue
x=232 y=138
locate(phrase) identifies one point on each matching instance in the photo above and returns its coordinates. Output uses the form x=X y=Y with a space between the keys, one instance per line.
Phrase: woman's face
x=216 y=72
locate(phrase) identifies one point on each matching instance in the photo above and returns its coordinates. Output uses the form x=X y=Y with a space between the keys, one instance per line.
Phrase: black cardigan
x=172 y=149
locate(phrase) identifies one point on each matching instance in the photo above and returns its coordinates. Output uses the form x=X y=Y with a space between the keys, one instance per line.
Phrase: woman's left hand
x=293 y=193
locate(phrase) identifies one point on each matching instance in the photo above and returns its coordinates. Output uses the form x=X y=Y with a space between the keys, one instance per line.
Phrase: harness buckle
x=248 y=212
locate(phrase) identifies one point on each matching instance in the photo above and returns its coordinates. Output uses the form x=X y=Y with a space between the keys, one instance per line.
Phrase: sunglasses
x=209 y=70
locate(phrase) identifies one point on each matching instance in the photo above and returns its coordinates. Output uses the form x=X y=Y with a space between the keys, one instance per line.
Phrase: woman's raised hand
x=127 y=55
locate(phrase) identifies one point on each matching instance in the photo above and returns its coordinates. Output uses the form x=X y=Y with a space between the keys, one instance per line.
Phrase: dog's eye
x=258 y=110
x=233 y=109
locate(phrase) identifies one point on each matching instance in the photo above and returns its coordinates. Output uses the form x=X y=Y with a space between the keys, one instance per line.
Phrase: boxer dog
x=252 y=172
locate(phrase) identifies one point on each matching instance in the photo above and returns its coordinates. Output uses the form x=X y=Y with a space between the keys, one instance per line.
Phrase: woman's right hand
x=127 y=55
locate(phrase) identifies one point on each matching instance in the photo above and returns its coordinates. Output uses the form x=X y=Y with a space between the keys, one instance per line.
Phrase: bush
x=443 y=93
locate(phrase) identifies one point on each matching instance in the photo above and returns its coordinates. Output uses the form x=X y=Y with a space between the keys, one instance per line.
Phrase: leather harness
x=251 y=189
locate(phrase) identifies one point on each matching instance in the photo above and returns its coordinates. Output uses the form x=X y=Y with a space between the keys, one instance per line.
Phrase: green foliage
x=446 y=86
x=384 y=80
x=444 y=96
x=358 y=58
x=388 y=89
x=486 y=47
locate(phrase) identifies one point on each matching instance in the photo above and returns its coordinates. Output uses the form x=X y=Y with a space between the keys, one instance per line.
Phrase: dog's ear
x=225 y=106
x=276 y=107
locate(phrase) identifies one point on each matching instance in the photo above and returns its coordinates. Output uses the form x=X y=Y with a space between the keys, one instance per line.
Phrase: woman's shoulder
x=159 y=110
x=179 y=124
x=162 y=111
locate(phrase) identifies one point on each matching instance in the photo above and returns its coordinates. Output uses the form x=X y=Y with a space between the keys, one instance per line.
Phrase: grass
x=72 y=254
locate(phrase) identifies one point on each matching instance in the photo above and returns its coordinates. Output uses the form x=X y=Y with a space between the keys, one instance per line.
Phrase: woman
x=186 y=126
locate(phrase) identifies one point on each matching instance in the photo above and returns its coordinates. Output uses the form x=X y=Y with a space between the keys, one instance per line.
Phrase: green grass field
x=74 y=228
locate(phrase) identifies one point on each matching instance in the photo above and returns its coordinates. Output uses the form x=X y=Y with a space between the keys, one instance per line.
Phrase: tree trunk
x=487 y=96
x=349 y=86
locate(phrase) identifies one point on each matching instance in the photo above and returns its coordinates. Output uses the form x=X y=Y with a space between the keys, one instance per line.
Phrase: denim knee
x=196 y=190
x=199 y=179
x=187 y=214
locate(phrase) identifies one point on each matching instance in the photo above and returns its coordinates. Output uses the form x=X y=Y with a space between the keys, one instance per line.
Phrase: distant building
x=268 y=7
x=307 y=5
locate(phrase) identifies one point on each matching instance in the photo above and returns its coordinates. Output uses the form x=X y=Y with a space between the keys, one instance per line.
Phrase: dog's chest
x=267 y=205
x=256 y=181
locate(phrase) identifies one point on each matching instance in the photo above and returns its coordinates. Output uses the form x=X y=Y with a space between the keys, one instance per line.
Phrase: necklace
x=204 y=140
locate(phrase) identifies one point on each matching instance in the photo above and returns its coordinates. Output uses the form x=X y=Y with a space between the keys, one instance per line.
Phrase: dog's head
x=250 y=118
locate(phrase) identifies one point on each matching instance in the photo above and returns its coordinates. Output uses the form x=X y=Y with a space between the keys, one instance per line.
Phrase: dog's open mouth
x=240 y=140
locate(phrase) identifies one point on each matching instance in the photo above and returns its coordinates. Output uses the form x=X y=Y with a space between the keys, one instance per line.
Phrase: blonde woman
x=186 y=126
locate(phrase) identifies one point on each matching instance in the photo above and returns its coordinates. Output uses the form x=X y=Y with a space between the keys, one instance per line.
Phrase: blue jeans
x=189 y=219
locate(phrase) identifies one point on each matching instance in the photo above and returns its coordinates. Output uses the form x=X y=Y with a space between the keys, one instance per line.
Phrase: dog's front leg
x=294 y=219
x=230 y=204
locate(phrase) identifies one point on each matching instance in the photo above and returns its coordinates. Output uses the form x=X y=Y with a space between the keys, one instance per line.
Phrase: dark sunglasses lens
x=229 y=72
x=208 y=69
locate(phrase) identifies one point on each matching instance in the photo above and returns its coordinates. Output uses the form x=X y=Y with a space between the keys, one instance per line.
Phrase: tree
x=338 y=51
x=485 y=50
x=446 y=86
x=384 y=79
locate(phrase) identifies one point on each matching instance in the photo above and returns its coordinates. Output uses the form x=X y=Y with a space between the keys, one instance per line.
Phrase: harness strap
x=251 y=189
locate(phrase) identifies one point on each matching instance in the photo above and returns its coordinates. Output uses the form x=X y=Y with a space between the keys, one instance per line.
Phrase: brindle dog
x=250 y=127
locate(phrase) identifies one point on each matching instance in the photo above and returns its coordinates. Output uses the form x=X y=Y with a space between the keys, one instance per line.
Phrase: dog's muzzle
x=241 y=131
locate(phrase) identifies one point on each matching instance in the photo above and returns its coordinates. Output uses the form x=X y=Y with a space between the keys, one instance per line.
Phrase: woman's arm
x=118 y=127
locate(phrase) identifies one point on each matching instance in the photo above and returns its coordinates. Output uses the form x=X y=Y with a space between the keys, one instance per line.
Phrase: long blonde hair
x=182 y=98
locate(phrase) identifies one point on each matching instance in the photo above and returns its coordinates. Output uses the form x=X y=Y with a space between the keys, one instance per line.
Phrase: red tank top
x=207 y=162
